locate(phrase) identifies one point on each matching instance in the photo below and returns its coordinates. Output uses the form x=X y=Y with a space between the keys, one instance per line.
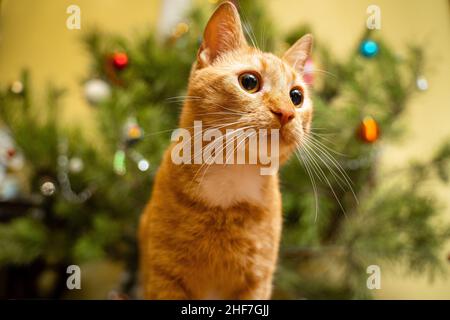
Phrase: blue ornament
x=369 y=48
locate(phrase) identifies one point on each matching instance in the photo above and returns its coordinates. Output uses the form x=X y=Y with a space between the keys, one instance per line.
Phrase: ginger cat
x=213 y=231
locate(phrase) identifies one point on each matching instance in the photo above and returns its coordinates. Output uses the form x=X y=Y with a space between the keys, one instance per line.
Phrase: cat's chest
x=225 y=186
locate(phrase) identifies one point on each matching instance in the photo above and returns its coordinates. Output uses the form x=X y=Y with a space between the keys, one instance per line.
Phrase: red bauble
x=120 y=60
x=11 y=152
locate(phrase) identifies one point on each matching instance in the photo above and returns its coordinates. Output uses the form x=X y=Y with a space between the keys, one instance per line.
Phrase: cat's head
x=236 y=84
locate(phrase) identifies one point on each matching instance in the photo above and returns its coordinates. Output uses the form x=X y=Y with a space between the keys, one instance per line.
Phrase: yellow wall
x=33 y=35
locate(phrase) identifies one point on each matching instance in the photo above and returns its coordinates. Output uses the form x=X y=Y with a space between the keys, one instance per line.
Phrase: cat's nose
x=283 y=115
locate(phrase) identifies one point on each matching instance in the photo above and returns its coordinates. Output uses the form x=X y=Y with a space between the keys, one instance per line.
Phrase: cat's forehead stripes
x=275 y=72
x=274 y=66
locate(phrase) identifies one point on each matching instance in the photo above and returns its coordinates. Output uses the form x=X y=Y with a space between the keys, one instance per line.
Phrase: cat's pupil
x=249 y=82
x=296 y=96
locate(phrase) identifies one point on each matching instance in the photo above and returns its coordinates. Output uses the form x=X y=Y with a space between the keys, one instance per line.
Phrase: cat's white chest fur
x=225 y=186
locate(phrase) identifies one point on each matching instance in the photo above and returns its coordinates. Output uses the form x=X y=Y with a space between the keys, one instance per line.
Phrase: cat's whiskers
x=321 y=174
x=240 y=143
x=316 y=141
x=218 y=127
x=320 y=71
x=340 y=181
x=198 y=98
x=324 y=137
x=262 y=37
x=214 y=144
x=201 y=132
x=302 y=159
x=314 y=153
x=320 y=148
x=146 y=135
x=251 y=35
x=181 y=97
x=322 y=129
x=223 y=147
x=228 y=109
x=324 y=72
x=218 y=113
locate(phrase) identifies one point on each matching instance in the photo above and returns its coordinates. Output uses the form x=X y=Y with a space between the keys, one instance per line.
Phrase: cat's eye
x=296 y=97
x=249 y=82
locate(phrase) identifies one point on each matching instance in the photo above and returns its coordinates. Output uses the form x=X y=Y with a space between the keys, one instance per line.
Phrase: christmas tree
x=82 y=198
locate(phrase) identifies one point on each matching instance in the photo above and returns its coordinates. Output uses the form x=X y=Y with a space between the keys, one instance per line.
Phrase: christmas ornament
x=132 y=132
x=422 y=83
x=143 y=165
x=11 y=152
x=308 y=72
x=9 y=187
x=10 y=157
x=368 y=130
x=119 y=162
x=48 y=188
x=96 y=91
x=16 y=163
x=76 y=165
x=120 y=60
x=17 y=87
x=369 y=48
x=180 y=29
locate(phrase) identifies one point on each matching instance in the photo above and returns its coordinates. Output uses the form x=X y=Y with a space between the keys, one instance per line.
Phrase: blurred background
x=86 y=113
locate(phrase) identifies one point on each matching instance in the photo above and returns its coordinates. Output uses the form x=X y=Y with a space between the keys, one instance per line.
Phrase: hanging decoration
x=369 y=48
x=368 y=130
x=132 y=132
x=119 y=60
x=96 y=91
x=422 y=83
x=119 y=162
x=76 y=165
x=17 y=87
x=11 y=162
x=180 y=29
x=142 y=163
x=48 y=188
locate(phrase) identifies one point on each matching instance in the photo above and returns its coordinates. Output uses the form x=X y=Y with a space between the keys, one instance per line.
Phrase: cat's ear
x=223 y=33
x=299 y=52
